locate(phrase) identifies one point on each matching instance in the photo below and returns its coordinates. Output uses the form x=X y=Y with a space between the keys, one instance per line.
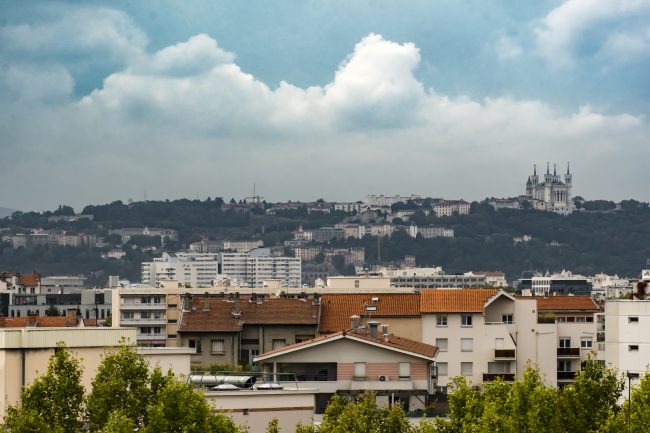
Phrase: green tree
x=180 y=408
x=274 y=426
x=637 y=408
x=592 y=397
x=52 y=311
x=122 y=384
x=54 y=402
x=118 y=422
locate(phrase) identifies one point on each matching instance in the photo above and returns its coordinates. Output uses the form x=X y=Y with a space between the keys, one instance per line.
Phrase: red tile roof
x=390 y=341
x=455 y=300
x=566 y=303
x=219 y=316
x=38 y=322
x=30 y=280
x=337 y=308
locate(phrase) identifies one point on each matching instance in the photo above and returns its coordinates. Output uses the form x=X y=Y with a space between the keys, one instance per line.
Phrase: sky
x=118 y=100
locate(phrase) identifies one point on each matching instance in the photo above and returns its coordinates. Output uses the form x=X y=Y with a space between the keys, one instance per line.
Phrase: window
x=356 y=284
x=560 y=319
x=581 y=319
x=565 y=342
x=195 y=344
x=404 y=370
x=441 y=343
x=564 y=365
x=586 y=342
x=172 y=321
x=466 y=344
x=442 y=368
x=441 y=320
x=506 y=318
x=360 y=370
x=465 y=320
x=172 y=306
x=466 y=368
x=632 y=319
x=633 y=347
x=301 y=338
x=217 y=346
x=279 y=343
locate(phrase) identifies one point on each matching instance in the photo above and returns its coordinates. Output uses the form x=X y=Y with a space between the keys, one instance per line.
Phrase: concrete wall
x=483 y=336
x=255 y=409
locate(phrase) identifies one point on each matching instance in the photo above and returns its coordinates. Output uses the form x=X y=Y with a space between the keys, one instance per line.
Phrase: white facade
x=193 y=269
x=552 y=195
x=382 y=200
x=429 y=232
x=501 y=340
x=627 y=341
x=451 y=207
x=250 y=270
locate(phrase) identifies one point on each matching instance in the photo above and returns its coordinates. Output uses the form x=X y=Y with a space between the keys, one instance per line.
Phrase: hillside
x=587 y=242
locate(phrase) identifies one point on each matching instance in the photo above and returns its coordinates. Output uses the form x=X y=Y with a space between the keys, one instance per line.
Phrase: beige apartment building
x=484 y=334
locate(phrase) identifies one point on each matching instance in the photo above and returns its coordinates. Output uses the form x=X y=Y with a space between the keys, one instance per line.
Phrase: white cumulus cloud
x=562 y=29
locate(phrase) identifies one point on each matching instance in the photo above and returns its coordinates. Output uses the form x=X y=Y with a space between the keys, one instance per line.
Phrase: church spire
x=567 y=168
x=548 y=168
x=554 y=169
x=534 y=169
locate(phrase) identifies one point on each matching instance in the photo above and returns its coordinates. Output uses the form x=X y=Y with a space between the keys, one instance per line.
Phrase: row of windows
x=467 y=321
x=217 y=346
x=467 y=344
x=466 y=368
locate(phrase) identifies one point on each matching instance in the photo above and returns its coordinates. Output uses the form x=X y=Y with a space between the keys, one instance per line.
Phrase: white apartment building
x=254 y=268
x=450 y=207
x=627 y=341
x=382 y=200
x=348 y=207
x=429 y=232
x=484 y=334
x=146 y=310
x=192 y=269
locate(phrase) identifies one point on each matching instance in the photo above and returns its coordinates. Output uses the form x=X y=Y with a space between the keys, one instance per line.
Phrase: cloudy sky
x=101 y=101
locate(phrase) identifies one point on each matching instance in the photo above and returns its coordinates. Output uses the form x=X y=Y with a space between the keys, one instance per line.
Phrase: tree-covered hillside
x=598 y=238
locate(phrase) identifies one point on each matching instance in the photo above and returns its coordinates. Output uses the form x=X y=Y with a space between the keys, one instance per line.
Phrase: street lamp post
x=630 y=376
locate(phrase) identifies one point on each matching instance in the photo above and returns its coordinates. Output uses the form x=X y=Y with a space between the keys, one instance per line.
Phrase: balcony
x=568 y=352
x=142 y=306
x=506 y=377
x=504 y=354
x=566 y=375
x=151 y=336
x=142 y=322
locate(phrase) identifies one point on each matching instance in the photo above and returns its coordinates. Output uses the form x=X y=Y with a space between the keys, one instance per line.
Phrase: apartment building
x=127 y=233
x=429 y=232
x=451 y=207
x=485 y=333
x=91 y=303
x=191 y=269
x=153 y=311
x=626 y=337
x=252 y=269
x=233 y=329
x=561 y=283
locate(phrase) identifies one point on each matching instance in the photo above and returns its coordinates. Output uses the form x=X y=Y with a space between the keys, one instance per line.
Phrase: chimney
x=356 y=321
x=206 y=302
x=384 y=330
x=374 y=328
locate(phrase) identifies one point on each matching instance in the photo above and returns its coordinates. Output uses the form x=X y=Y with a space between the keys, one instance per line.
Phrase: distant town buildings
x=562 y=283
x=127 y=233
x=382 y=200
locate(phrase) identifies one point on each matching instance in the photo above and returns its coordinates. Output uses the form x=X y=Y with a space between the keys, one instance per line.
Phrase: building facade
x=553 y=194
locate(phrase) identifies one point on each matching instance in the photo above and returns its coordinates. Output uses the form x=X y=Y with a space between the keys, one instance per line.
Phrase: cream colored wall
x=536 y=342
x=343 y=351
x=407 y=327
x=290 y=408
x=500 y=306
x=484 y=342
x=10 y=379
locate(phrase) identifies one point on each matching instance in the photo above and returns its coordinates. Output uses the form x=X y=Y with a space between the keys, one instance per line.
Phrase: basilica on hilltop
x=553 y=194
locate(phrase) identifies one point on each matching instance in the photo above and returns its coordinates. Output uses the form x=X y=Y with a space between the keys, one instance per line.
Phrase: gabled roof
x=389 y=342
x=455 y=300
x=337 y=308
x=40 y=322
x=566 y=303
x=220 y=316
